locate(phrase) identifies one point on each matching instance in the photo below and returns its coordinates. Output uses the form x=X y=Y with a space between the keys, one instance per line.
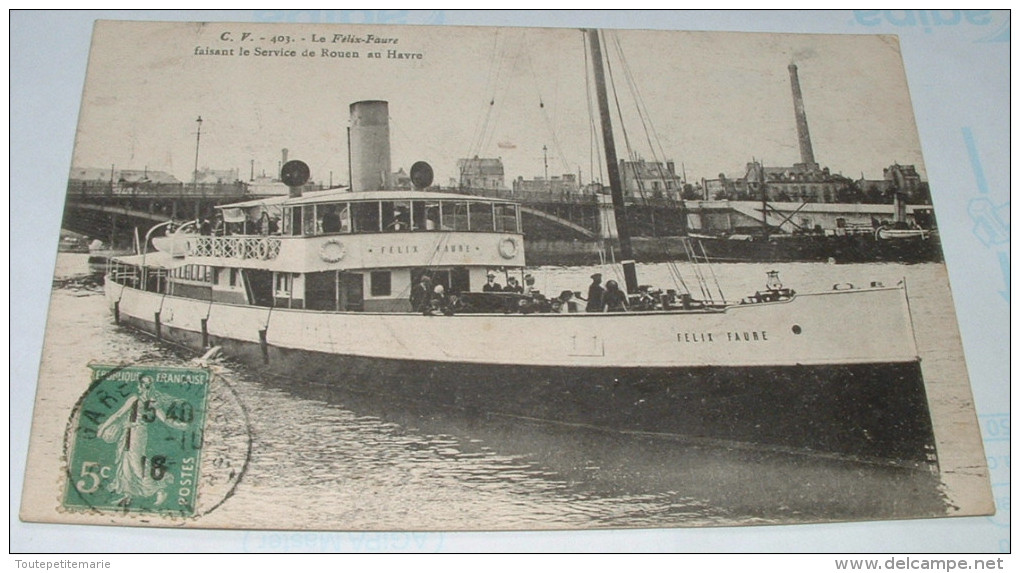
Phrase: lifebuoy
x=332 y=251
x=508 y=247
x=263 y=249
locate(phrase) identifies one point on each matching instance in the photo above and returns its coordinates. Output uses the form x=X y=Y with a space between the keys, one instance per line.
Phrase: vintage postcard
x=350 y=277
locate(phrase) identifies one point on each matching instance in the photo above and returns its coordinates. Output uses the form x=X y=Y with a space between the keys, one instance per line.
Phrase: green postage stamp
x=136 y=440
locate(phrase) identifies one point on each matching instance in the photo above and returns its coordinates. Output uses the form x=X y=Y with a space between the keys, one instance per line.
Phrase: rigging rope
x=711 y=268
x=659 y=159
x=497 y=62
x=545 y=111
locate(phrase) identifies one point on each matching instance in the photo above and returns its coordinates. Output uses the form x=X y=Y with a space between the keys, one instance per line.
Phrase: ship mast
x=613 y=166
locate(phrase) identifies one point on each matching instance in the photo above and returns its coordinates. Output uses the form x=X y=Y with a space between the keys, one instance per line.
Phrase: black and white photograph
x=365 y=277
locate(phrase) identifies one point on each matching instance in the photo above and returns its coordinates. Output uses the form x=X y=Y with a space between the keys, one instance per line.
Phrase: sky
x=712 y=101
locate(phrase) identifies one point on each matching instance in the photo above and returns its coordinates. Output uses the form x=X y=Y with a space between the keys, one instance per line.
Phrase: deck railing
x=257 y=248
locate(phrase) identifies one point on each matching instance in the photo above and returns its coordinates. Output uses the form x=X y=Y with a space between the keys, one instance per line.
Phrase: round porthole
x=796 y=329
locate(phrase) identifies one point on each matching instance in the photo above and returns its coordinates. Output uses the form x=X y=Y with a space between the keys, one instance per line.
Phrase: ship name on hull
x=730 y=336
x=408 y=249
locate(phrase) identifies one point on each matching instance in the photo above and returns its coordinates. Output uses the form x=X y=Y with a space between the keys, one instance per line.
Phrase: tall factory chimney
x=370 y=146
x=807 y=155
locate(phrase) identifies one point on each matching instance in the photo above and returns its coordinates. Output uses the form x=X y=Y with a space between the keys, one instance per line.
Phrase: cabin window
x=196 y=273
x=481 y=217
x=283 y=284
x=506 y=217
x=427 y=216
x=460 y=280
x=308 y=221
x=333 y=218
x=455 y=216
x=424 y=216
x=365 y=217
x=292 y=224
x=381 y=281
x=396 y=215
x=352 y=294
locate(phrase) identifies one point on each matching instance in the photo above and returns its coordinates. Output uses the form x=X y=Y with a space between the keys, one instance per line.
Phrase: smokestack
x=284 y=154
x=807 y=155
x=370 y=146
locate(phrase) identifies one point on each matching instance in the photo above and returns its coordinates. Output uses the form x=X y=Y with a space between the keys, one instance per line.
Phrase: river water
x=321 y=459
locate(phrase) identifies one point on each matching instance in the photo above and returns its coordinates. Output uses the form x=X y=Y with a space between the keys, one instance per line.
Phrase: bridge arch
x=558 y=221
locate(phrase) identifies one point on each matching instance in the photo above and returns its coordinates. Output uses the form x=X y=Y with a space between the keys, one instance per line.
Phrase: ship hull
x=871 y=411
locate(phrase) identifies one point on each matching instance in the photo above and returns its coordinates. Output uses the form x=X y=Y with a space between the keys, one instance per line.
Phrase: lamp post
x=545 y=162
x=198 y=139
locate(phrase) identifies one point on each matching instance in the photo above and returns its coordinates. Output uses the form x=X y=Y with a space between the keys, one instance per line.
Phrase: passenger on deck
x=614 y=299
x=331 y=223
x=512 y=285
x=595 y=294
x=491 y=285
x=565 y=302
x=420 y=295
x=399 y=222
x=263 y=225
x=529 y=284
x=439 y=304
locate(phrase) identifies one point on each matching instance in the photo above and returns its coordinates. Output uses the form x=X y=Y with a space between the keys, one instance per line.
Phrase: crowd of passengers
x=430 y=299
x=217 y=227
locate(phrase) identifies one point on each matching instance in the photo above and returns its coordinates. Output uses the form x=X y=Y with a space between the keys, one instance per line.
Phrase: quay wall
x=539 y=252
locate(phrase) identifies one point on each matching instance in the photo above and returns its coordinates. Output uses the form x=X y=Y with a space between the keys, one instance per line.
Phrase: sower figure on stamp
x=128 y=428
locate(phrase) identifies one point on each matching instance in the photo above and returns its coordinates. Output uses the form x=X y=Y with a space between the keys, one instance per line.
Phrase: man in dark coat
x=421 y=294
x=512 y=285
x=491 y=285
x=595 y=292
